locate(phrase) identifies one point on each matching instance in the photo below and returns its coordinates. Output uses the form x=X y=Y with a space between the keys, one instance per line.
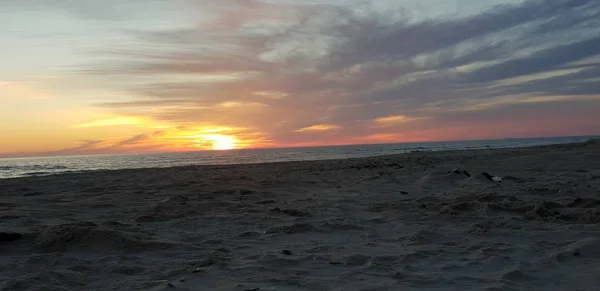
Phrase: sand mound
x=56 y=280
x=444 y=180
x=291 y=229
x=588 y=248
x=356 y=260
x=88 y=236
x=445 y=176
x=291 y=212
x=174 y=207
x=332 y=226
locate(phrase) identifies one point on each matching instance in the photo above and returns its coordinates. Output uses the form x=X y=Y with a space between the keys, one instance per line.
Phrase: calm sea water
x=18 y=167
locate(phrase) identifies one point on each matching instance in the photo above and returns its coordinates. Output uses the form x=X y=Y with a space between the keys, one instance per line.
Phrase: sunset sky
x=114 y=76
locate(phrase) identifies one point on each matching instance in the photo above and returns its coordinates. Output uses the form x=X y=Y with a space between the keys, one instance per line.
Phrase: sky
x=112 y=76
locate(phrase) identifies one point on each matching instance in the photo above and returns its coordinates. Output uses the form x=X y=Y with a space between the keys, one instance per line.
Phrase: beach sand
x=420 y=221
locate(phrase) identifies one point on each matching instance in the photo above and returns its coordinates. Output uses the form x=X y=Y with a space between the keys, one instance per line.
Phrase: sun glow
x=208 y=138
x=221 y=141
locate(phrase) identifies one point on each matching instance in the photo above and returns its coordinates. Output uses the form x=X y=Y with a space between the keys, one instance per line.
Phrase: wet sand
x=420 y=221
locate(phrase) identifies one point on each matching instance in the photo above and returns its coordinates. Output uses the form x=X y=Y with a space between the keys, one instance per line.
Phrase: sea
x=23 y=167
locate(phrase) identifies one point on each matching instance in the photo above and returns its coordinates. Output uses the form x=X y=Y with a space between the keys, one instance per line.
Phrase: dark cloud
x=85 y=145
x=348 y=66
x=361 y=39
x=549 y=59
x=133 y=140
x=93 y=147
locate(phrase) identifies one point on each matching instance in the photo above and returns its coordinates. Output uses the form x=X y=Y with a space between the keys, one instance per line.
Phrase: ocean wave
x=33 y=167
x=39 y=173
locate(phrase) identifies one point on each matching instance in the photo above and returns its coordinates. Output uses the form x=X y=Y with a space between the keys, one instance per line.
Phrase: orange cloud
x=113 y=121
x=395 y=119
x=318 y=127
x=232 y=104
x=271 y=94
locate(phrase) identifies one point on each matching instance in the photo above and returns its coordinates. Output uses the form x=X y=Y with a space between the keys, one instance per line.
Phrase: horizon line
x=33 y=156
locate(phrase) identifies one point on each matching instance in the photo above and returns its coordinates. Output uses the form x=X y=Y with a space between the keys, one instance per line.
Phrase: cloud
x=112 y=121
x=84 y=148
x=318 y=127
x=108 y=10
x=257 y=65
x=133 y=140
x=85 y=145
x=394 y=119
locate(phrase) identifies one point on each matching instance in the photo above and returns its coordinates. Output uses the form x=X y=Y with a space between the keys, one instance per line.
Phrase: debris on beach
x=460 y=171
x=492 y=177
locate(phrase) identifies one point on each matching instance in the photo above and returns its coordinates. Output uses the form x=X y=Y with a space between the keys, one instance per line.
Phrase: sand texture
x=421 y=221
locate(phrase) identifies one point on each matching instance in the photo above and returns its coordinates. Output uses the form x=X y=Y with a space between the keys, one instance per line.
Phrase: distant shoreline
x=427 y=153
x=32 y=156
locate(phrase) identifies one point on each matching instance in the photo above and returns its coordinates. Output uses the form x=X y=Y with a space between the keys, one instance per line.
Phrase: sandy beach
x=509 y=219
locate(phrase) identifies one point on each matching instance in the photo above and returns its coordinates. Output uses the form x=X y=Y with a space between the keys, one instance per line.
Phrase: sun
x=222 y=142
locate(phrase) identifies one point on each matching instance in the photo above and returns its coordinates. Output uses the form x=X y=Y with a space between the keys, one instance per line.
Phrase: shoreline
x=593 y=139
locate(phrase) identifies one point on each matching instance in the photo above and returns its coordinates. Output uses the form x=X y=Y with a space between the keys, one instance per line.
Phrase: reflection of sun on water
x=221 y=141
